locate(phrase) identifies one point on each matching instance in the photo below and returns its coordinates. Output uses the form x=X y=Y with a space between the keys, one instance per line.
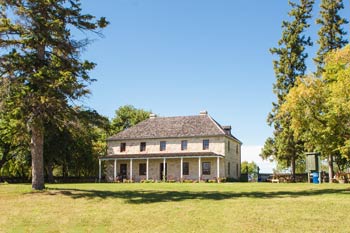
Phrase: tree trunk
x=37 y=148
x=49 y=169
x=330 y=168
x=64 y=170
x=293 y=169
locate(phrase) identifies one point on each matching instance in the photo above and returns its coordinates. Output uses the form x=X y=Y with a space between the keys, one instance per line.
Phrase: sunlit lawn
x=163 y=207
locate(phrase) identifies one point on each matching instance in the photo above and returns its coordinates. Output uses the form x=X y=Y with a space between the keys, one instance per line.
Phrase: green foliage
x=331 y=34
x=290 y=64
x=251 y=167
x=14 y=148
x=75 y=149
x=319 y=109
x=41 y=73
x=127 y=116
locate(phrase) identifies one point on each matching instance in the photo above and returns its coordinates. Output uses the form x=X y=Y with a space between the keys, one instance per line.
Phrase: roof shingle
x=172 y=127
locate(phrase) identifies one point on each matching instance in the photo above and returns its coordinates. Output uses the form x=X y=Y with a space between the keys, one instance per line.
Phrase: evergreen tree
x=289 y=65
x=331 y=35
x=40 y=65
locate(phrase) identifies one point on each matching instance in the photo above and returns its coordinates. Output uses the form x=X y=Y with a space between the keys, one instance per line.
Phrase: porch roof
x=161 y=155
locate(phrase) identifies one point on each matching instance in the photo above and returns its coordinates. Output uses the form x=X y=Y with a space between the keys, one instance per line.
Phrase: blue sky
x=181 y=57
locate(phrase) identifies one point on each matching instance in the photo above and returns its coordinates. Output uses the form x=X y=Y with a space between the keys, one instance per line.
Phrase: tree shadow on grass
x=154 y=196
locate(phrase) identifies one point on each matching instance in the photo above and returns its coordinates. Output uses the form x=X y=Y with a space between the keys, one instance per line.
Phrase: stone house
x=173 y=148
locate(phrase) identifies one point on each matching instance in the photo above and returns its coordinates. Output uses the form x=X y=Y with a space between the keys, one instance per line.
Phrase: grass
x=163 y=207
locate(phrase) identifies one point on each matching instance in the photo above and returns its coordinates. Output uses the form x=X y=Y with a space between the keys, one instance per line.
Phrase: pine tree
x=331 y=35
x=290 y=64
x=40 y=65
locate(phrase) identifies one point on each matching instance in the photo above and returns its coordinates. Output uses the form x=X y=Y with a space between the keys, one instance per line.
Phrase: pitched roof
x=173 y=127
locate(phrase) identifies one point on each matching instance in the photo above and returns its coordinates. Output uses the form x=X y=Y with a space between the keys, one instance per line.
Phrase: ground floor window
x=229 y=168
x=206 y=168
x=185 y=168
x=142 y=169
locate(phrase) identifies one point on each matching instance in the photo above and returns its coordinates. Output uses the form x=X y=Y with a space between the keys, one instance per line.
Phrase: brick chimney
x=203 y=113
x=227 y=129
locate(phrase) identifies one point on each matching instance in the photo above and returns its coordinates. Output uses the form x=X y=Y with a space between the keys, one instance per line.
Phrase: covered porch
x=163 y=167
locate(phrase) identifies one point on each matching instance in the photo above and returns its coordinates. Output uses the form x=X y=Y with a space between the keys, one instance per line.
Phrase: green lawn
x=165 y=207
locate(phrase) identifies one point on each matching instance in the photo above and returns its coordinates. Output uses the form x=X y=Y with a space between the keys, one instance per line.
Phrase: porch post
x=147 y=168
x=217 y=168
x=181 y=169
x=115 y=170
x=116 y=167
x=99 y=170
x=164 y=169
x=199 y=169
x=130 y=169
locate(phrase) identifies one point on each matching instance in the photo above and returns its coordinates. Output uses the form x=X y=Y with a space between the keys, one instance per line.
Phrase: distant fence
x=266 y=177
x=56 y=179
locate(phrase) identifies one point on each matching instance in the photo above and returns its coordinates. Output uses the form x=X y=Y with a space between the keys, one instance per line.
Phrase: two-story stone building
x=173 y=148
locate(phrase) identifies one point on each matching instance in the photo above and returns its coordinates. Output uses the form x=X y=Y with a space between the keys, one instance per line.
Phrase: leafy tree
x=331 y=34
x=76 y=148
x=40 y=65
x=251 y=167
x=320 y=109
x=13 y=145
x=127 y=116
x=283 y=146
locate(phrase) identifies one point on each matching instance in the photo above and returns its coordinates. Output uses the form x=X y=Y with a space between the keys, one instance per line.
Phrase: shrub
x=230 y=179
x=187 y=181
x=222 y=180
x=148 y=181
x=128 y=181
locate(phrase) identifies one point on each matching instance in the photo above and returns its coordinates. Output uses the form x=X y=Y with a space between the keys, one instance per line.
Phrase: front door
x=123 y=171
x=161 y=169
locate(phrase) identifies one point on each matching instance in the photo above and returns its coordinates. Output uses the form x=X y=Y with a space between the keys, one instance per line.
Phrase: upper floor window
x=143 y=146
x=206 y=168
x=185 y=168
x=237 y=149
x=162 y=146
x=122 y=146
x=184 y=145
x=206 y=144
x=228 y=146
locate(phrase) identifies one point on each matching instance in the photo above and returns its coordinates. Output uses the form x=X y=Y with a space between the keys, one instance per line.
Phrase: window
x=184 y=145
x=237 y=169
x=142 y=146
x=142 y=169
x=237 y=149
x=206 y=168
x=122 y=146
x=229 y=168
x=206 y=144
x=185 y=168
x=228 y=146
x=162 y=146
